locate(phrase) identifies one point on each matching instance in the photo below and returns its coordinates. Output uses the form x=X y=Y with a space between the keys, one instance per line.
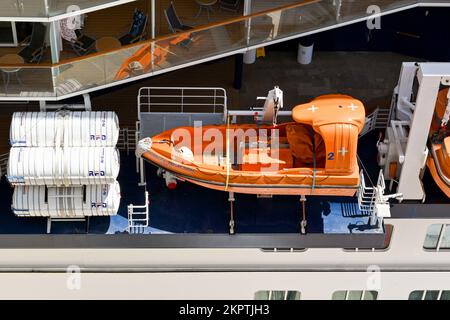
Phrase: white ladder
x=366 y=197
x=373 y=202
x=138 y=218
x=379 y=119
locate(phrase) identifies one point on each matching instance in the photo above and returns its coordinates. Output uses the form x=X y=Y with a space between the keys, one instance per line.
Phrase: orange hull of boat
x=442 y=184
x=305 y=161
x=438 y=161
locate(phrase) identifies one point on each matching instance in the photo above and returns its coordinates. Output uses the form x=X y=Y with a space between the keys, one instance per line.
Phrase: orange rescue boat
x=315 y=155
x=141 y=61
x=438 y=161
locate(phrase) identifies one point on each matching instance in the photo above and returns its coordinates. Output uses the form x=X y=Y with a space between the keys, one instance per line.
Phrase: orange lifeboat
x=439 y=160
x=315 y=155
x=141 y=62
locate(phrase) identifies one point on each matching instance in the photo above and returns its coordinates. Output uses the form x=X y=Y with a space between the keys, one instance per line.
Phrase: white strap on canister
x=103 y=130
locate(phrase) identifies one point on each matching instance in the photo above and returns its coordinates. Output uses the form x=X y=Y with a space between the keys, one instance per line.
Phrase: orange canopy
x=332 y=108
x=338 y=119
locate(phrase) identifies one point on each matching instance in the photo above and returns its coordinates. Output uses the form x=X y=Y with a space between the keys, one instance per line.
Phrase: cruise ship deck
x=191 y=209
x=196 y=210
x=391 y=240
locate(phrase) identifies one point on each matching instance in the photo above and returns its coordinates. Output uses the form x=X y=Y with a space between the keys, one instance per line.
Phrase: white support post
x=14 y=34
x=153 y=16
x=153 y=32
x=87 y=102
x=42 y=105
x=410 y=184
x=231 y=223
x=249 y=56
x=404 y=91
x=141 y=173
x=247 y=7
x=337 y=4
x=55 y=40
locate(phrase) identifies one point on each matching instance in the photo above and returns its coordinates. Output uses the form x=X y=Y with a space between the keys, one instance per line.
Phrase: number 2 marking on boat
x=331 y=156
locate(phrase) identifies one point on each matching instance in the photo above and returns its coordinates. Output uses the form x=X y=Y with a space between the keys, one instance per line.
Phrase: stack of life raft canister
x=64 y=164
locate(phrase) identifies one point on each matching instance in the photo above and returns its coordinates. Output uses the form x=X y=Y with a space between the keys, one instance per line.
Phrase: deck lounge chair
x=34 y=51
x=229 y=5
x=175 y=24
x=137 y=30
x=84 y=44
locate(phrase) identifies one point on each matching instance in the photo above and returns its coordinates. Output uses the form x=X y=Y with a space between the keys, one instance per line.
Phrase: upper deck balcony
x=107 y=19
x=61 y=73
x=49 y=10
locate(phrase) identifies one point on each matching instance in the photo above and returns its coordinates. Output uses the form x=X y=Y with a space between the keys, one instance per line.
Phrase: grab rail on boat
x=213 y=99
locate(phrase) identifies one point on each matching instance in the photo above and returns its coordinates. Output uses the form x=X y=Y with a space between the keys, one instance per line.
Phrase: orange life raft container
x=438 y=161
x=315 y=155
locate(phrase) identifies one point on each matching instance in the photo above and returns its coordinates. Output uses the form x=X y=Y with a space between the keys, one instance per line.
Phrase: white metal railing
x=366 y=196
x=3 y=163
x=373 y=202
x=182 y=99
x=127 y=139
x=379 y=119
x=138 y=217
x=178 y=100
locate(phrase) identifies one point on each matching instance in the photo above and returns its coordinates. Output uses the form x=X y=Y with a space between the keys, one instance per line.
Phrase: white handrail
x=182 y=97
x=378 y=119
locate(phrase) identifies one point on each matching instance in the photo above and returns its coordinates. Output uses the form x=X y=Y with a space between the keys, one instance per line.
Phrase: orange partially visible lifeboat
x=439 y=160
x=315 y=155
x=141 y=62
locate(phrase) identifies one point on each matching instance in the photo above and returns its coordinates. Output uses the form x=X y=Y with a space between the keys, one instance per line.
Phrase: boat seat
x=300 y=141
x=255 y=159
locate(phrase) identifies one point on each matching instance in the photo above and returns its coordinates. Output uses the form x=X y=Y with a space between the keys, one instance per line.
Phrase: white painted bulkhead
x=405 y=252
x=127 y=273
x=214 y=285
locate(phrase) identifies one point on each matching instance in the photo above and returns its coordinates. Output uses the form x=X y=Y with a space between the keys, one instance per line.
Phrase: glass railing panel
x=283 y=23
x=264 y=5
x=128 y=63
x=58 y=7
x=352 y=10
x=24 y=8
x=202 y=44
x=26 y=81
x=49 y=8
x=181 y=49
x=79 y=75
